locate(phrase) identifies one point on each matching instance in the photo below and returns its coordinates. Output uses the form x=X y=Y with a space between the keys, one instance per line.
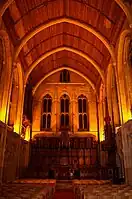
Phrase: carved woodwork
x=50 y=153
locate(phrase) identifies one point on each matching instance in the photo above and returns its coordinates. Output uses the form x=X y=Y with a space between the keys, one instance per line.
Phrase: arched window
x=65 y=76
x=64 y=115
x=46 y=113
x=82 y=110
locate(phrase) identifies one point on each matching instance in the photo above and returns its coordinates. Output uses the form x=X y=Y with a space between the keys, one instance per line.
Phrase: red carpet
x=63 y=195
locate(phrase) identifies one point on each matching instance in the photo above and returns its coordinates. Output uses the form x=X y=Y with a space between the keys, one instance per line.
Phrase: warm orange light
x=27 y=136
x=2 y=114
x=126 y=114
x=102 y=138
x=17 y=128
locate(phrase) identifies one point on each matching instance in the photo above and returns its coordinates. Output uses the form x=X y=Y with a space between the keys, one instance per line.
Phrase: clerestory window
x=65 y=76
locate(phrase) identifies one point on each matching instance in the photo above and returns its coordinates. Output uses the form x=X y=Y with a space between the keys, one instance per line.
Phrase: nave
x=65 y=99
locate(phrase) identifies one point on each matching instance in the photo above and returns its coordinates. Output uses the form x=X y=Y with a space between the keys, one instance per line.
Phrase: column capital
x=14 y=65
x=114 y=63
x=130 y=25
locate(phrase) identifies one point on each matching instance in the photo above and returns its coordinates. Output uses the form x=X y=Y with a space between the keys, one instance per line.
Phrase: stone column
x=37 y=105
x=56 y=112
x=19 y=112
x=101 y=120
x=71 y=114
x=54 y=116
x=2 y=90
x=74 y=114
x=5 y=90
x=57 y=115
x=115 y=107
x=92 y=116
x=13 y=104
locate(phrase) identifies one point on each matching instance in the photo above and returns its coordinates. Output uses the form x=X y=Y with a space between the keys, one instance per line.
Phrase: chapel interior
x=65 y=99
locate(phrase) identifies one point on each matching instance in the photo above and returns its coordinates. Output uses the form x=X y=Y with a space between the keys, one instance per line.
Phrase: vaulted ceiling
x=103 y=17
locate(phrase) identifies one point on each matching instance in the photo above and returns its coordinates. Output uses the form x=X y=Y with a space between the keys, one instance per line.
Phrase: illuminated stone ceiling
x=87 y=29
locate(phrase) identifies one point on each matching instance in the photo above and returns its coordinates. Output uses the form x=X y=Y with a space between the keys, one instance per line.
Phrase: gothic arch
x=62 y=20
x=126 y=10
x=44 y=56
x=7 y=76
x=20 y=97
x=60 y=69
x=122 y=5
x=4 y=6
x=121 y=72
x=112 y=96
x=46 y=93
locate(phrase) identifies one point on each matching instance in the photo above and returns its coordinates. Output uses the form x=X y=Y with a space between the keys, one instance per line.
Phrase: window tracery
x=64 y=115
x=82 y=111
x=65 y=76
x=46 y=113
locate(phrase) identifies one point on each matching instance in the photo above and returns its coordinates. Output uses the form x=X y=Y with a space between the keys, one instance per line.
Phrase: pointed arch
x=20 y=97
x=126 y=10
x=60 y=69
x=6 y=75
x=64 y=20
x=125 y=103
x=4 y=5
x=45 y=55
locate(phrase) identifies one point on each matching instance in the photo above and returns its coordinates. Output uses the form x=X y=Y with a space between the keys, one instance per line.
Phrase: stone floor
x=64 y=190
x=63 y=194
x=64 y=185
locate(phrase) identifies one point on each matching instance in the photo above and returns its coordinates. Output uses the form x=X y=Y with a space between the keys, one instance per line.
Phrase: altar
x=62 y=173
x=53 y=158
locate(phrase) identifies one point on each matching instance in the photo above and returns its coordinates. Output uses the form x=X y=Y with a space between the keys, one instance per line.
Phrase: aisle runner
x=63 y=195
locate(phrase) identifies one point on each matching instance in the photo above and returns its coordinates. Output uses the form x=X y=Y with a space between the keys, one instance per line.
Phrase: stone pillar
x=75 y=115
x=5 y=90
x=54 y=116
x=122 y=77
x=115 y=107
x=37 y=105
x=2 y=83
x=75 y=120
x=57 y=114
x=19 y=112
x=13 y=105
x=101 y=120
x=92 y=116
x=71 y=114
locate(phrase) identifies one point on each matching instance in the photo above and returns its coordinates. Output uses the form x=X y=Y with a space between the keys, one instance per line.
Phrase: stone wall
x=2 y=137
x=55 y=89
x=24 y=157
x=16 y=154
x=124 y=148
x=11 y=156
